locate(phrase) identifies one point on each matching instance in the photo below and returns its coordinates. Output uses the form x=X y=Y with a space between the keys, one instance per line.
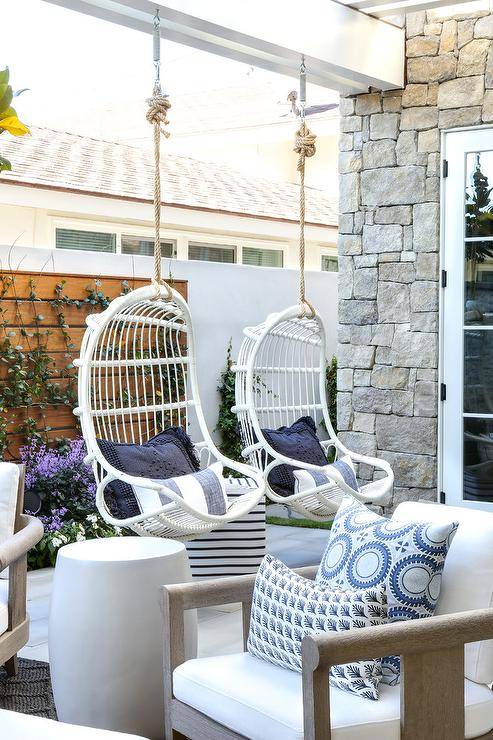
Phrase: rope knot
x=304 y=144
x=157 y=113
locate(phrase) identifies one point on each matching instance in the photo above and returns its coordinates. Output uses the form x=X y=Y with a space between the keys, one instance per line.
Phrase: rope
x=157 y=116
x=305 y=147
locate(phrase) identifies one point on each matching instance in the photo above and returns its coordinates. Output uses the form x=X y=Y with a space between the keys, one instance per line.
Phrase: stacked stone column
x=389 y=165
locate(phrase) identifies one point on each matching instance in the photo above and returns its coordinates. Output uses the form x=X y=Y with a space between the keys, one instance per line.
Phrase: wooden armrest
x=398 y=638
x=219 y=591
x=21 y=542
x=432 y=671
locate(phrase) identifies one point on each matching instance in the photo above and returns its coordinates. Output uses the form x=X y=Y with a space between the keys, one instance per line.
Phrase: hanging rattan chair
x=137 y=376
x=281 y=376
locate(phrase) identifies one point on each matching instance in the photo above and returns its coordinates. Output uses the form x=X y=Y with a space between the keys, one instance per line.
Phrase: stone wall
x=389 y=166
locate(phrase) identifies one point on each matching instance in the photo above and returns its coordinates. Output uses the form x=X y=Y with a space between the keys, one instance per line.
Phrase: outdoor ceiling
x=345 y=49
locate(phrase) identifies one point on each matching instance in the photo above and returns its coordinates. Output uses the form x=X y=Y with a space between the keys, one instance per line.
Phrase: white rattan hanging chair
x=281 y=376
x=137 y=376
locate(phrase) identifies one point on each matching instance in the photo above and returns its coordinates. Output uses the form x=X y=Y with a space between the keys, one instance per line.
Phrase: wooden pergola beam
x=342 y=46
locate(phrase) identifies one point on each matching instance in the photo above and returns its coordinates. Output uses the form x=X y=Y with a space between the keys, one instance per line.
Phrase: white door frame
x=456 y=143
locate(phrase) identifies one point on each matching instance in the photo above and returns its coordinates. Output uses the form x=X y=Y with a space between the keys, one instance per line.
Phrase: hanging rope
x=157 y=116
x=305 y=147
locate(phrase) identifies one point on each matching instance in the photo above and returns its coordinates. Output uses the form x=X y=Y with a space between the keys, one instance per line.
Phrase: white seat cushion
x=15 y=726
x=262 y=701
x=467 y=581
x=4 y=606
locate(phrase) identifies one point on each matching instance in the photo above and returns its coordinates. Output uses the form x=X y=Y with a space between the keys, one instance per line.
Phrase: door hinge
x=443 y=392
x=442 y=497
x=444 y=278
x=445 y=168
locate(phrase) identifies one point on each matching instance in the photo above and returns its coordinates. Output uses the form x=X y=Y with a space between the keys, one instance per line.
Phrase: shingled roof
x=63 y=161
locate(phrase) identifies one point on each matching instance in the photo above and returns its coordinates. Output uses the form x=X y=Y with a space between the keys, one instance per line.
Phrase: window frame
x=213 y=245
x=263 y=248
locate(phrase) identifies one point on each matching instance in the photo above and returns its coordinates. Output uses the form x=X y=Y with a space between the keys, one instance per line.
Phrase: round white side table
x=106 y=631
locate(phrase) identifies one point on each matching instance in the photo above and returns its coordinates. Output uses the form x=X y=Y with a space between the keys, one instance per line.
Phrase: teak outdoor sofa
x=443 y=694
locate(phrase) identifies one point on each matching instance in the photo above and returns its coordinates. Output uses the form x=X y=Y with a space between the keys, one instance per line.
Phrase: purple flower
x=61 y=480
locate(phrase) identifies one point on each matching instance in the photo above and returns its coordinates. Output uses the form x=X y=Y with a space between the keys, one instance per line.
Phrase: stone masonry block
x=400 y=434
x=382 y=238
x=392 y=186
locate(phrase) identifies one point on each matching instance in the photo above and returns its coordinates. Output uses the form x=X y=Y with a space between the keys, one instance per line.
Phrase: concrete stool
x=106 y=631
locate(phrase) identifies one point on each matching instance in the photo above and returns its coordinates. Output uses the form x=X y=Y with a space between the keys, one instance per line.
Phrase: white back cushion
x=9 y=482
x=467 y=581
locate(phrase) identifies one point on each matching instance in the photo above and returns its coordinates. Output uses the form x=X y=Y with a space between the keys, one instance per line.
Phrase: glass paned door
x=466 y=449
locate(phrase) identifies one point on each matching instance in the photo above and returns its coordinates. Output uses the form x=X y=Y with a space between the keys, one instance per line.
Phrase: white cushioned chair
x=441 y=695
x=15 y=726
x=18 y=533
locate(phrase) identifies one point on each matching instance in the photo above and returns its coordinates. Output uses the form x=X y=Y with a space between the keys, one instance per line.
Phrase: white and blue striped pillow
x=204 y=490
x=308 y=479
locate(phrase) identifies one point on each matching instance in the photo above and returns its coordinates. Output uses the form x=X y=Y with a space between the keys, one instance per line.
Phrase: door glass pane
x=478 y=372
x=478 y=459
x=478 y=277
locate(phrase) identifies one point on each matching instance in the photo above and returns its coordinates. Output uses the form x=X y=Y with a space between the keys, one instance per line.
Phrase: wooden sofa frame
x=430 y=708
x=13 y=554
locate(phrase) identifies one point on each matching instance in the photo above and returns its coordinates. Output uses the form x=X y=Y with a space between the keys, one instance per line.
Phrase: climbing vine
x=30 y=381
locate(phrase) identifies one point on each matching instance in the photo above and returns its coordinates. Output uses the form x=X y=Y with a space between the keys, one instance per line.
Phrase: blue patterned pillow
x=366 y=550
x=299 y=442
x=286 y=607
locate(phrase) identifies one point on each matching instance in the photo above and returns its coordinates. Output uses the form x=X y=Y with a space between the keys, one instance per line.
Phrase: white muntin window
x=91 y=241
x=329 y=263
x=260 y=257
x=144 y=246
x=212 y=252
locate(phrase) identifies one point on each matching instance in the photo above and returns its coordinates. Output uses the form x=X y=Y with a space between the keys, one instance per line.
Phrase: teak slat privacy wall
x=42 y=316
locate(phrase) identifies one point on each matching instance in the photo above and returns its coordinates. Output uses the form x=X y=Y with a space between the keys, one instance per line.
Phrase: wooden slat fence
x=42 y=322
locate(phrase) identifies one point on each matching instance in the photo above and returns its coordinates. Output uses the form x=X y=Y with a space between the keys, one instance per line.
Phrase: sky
x=91 y=77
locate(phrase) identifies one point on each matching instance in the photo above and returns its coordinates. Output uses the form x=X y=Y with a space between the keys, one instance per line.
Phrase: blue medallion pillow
x=170 y=453
x=286 y=607
x=299 y=442
x=366 y=550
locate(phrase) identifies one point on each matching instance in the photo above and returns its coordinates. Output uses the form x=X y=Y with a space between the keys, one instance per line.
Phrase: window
x=262 y=257
x=136 y=245
x=93 y=241
x=329 y=263
x=211 y=252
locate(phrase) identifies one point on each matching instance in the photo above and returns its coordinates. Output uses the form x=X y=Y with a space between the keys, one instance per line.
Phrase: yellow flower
x=14 y=126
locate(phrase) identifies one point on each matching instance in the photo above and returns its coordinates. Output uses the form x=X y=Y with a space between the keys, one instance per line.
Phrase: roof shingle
x=54 y=159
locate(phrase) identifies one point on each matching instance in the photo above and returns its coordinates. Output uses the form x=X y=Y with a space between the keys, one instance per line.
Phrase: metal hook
x=302 y=88
x=157 y=45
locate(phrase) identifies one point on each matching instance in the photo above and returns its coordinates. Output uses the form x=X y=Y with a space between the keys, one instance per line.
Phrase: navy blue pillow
x=168 y=454
x=300 y=442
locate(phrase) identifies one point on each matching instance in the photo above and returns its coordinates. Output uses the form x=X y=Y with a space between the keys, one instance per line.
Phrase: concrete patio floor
x=219 y=629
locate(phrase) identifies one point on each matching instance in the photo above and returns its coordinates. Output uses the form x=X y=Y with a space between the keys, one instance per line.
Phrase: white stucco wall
x=223 y=299
x=29 y=216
